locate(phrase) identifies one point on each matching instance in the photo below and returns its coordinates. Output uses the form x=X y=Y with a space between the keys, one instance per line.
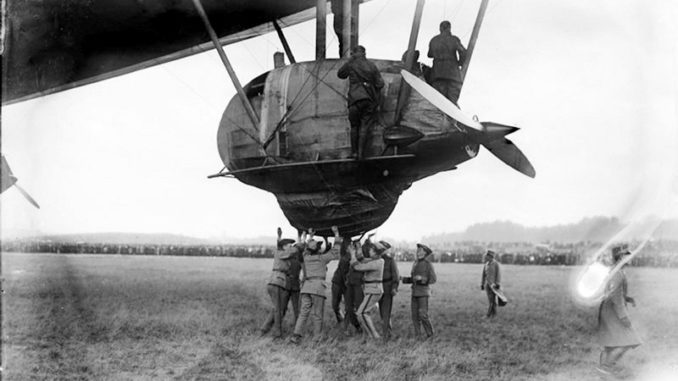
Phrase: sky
x=592 y=85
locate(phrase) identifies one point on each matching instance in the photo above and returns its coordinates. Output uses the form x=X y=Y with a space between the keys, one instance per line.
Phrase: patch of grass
x=185 y=318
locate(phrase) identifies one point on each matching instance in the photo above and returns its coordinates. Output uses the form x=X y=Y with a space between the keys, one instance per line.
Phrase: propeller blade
x=7 y=179
x=443 y=104
x=28 y=197
x=511 y=155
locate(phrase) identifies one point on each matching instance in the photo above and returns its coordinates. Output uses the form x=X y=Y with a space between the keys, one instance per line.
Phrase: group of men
x=365 y=82
x=366 y=278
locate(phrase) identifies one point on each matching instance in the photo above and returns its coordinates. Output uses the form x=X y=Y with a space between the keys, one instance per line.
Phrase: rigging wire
x=301 y=36
x=207 y=104
x=460 y=4
x=376 y=16
x=291 y=110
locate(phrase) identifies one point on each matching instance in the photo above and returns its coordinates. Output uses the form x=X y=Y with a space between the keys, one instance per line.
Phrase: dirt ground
x=116 y=317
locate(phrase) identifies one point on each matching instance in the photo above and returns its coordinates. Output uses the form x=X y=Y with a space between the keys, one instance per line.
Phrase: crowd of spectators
x=660 y=253
x=241 y=251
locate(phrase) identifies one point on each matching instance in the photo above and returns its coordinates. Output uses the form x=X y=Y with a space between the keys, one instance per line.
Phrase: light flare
x=592 y=281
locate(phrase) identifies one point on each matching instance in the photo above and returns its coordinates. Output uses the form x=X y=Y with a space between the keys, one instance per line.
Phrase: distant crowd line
x=662 y=253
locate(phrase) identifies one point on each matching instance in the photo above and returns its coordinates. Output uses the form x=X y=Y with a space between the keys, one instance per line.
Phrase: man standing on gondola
x=364 y=97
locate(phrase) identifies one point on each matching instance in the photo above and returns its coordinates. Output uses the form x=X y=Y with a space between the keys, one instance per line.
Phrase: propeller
x=8 y=179
x=489 y=134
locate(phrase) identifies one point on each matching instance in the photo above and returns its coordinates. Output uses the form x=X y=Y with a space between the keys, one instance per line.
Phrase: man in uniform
x=448 y=56
x=615 y=331
x=339 y=280
x=294 y=286
x=390 y=282
x=278 y=285
x=354 y=291
x=418 y=68
x=313 y=287
x=491 y=279
x=373 y=268
x=421 y=278
x=364 y=96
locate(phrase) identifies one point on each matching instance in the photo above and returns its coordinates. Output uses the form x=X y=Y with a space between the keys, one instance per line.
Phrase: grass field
x=138 y=317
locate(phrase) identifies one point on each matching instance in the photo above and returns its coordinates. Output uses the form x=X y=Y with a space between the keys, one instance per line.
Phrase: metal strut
x=320 y=26
x=404 y=92
x=234 y=78
x=283 y=40
x=474 y=37
x=346 y=29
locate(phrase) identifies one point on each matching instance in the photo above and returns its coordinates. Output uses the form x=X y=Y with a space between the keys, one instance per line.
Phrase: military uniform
x=278 y=291
x=294 y=285
x=421 y=291
x=339 y=285
x=491 y=276
x=390 y=281
x=612 y=332
x=314 y=288
x=353 y=297
x=364 y=95
x=445 y=75
x=373 y=289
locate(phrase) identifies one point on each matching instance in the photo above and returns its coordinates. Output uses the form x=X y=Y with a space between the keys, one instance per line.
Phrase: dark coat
x=293 y=282
x=341 y=272
x=611 y=331
x=448 y=55
x=424 y=268
x=365 y=81
x=354 y=278
x=491 y=274
x=391 y=277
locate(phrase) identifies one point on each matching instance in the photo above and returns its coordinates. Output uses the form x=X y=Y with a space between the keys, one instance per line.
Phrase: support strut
x=320 y=29
x=474 y=37
x=346 y=30
x=234 y=78
x=405 y=89
x=283 y=40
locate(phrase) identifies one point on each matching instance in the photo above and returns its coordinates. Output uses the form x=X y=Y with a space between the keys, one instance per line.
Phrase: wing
x=49 y=46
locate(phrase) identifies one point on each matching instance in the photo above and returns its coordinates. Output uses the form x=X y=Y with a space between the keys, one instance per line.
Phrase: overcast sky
x=592 y=84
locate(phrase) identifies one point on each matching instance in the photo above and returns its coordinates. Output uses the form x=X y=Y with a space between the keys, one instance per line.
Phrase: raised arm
x=344 y=70
x=366 y=266
x=336 y=247
x=280 y=253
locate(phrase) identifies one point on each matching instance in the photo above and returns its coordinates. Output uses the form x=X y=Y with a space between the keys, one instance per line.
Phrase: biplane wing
x=57 y=45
